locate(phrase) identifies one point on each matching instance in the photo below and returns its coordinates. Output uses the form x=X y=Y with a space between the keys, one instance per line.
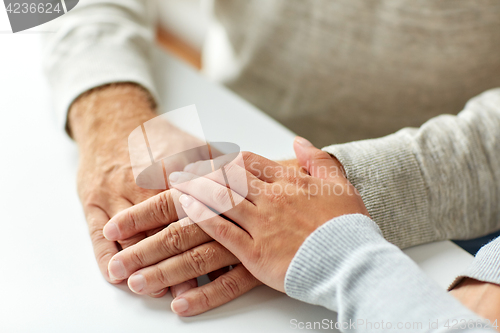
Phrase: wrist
x=106 y=115
x=481 y=297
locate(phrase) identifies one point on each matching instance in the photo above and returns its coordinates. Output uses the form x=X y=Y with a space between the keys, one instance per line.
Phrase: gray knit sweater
x=347 y=266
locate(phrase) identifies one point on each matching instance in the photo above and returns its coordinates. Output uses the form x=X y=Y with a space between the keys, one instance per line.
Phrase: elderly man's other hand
x=174 y=257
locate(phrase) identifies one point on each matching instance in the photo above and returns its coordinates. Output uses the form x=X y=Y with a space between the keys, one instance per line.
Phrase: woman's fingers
x=225 y=288
x=223 y=231
x=316 y=162
x=257 y=165
x=157 y=211
x=219 y=197
x=195 y=262
x=177 y=238
x=232 y=175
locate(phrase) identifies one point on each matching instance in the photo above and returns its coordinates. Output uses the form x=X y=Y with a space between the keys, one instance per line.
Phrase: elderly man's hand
x=100 y=122
x=178 y=253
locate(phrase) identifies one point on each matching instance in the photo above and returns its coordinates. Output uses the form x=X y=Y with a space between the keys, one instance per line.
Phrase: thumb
x=316 y=162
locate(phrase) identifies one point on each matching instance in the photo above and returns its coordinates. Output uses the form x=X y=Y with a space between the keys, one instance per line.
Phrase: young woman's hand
x=265 y=226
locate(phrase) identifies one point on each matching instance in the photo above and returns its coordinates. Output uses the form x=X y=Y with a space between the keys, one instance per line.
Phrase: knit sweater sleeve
x=440 y=181
x=486 y=265
x=97 y=43
x=348 y=267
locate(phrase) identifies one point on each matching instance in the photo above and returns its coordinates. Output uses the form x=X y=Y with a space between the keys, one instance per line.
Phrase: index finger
x=157 y=211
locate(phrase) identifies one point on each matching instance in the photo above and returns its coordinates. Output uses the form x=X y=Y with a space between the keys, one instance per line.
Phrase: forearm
x=106 y=115
x=438 y=182
x=348 y=267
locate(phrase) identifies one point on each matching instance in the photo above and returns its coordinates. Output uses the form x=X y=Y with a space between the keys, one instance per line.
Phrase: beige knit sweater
x=343 y=70
x=331 y=70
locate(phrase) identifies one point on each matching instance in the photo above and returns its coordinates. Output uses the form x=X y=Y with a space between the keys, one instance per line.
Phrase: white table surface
x=49 y=281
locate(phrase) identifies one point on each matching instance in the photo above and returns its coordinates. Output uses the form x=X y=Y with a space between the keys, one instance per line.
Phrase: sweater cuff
x=388 y=177
x=97 y=67
x=485 y=267
x=315 y=261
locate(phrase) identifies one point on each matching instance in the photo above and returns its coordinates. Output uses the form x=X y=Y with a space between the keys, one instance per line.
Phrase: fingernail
x=136 y=283
x=185 y=200
x=174 y=176
x=179 y=305
x=189 y=167
x=111 y=231
x=181 y=288
x=303 y=142
x=117 y=270
x=158 y=293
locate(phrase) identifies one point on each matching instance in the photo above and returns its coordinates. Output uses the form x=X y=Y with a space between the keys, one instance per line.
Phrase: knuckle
x=137 y=258
x=222 y=231
x=221 y=196
x=300 y=181
x=103 y=257
x=231 y=288
x=293 y=176
x=172 y=239
x=276 y=196
x=197 y=262
x=133 y=222
x=164 y=207
x=161 y=276
x=204 y=299
x=290 y=178
x=95 y=232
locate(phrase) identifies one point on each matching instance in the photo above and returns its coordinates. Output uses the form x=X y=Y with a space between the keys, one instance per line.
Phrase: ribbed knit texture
x=335 y=71
x=348 y=267
x=388 y=177
x=441 y=181
x=486 y=265
x=97 y=43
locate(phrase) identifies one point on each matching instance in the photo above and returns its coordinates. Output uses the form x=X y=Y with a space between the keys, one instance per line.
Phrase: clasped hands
x=258 y=237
